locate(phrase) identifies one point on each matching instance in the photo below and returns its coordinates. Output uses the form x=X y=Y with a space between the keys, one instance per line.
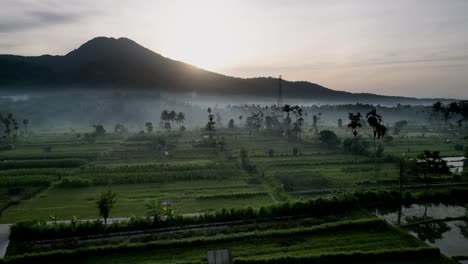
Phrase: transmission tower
x=280 y=92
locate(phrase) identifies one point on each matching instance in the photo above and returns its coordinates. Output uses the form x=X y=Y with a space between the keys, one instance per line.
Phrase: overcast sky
x=399 y=47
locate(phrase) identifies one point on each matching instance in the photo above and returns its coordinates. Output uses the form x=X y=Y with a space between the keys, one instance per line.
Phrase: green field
x=193 y=177
x=345 y=237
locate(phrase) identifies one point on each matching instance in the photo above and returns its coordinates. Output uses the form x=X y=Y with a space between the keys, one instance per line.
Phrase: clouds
x=34 y=19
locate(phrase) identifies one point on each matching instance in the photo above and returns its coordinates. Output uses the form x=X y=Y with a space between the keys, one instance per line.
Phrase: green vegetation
x=354 y=239
x=278 y=166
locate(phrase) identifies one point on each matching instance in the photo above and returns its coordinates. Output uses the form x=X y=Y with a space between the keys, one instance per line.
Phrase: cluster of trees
x=167 y=117
x=454 y=110
x=99 y=131
x=274 y=121
x=10 y=130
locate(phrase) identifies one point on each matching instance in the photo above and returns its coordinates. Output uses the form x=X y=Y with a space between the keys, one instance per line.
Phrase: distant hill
x=123 y=64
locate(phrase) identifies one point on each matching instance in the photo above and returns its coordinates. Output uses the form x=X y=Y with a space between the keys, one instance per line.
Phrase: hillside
x=123 y=64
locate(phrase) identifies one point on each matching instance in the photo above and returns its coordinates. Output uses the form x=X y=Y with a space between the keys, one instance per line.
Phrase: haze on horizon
x=410 y=48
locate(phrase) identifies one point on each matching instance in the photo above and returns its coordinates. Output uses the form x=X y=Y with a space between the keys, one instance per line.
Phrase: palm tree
x=105 y=202
x=437 y=108
x=354 y=124
x=153 y=211
x=25 y=123
x=210 y=126
x=287 y=108
x=375 y=121
x=180 y=117
x=172 y=115
x=165 y=115
x=381 y=132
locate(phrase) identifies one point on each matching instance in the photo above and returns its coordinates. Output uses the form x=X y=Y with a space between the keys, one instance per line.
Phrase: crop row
x=413 y=253
x=49 y=156
x=30 y=164
x=232 y=195
x=350 y=225
x=338 y=205
x=27 y=180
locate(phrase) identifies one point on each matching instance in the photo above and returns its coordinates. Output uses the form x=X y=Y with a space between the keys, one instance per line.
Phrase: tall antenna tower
x=280 y=92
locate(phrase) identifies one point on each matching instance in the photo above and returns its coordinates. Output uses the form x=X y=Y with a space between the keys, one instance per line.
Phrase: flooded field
x=451 y=237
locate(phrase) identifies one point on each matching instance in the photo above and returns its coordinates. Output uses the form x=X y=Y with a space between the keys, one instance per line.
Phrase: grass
x=187 y=174
x=131 y=199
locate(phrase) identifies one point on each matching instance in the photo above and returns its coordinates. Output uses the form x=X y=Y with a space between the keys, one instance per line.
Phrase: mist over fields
x=78 y=110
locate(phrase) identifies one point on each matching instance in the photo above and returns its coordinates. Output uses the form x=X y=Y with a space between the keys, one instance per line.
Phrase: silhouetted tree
x=375 y=121
x=149 y=127
x=153 y=211
x=25 y=123
x=180 y=118
x=399 y=126
x=99 y=130
x=105 y=203
x=210 y=125
x=329 y=139
x=231 y=124
x=172 y=116
x=431 y=163
x=253 y=122
x=315 y=120
x=119 y=128
x=354 y=124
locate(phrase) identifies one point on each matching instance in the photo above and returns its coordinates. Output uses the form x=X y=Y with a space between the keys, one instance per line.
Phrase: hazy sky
x=399 y=47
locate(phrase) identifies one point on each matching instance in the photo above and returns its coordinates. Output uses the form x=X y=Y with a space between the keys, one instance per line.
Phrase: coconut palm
x=180 y=117
x=354 y=124
x=25 y=123
x=375 y=121
x=172 y=115
x=165 y=115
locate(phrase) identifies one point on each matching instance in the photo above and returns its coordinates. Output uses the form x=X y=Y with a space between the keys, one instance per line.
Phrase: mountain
x=123 y=64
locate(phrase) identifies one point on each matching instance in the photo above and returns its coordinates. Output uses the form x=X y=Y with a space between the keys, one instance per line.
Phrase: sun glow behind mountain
x=202 y=34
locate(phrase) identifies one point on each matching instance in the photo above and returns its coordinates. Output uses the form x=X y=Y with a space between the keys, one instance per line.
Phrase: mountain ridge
x=122 y=63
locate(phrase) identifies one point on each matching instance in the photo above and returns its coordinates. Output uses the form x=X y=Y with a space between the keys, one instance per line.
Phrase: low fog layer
x=81 y=110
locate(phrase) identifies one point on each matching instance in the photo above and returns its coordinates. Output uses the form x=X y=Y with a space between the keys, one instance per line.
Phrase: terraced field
x=347 y=237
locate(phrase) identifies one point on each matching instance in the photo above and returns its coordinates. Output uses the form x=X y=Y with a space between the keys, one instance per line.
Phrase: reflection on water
x=452 y=242
x=428 y=232
x=451 y=237
x=455 y=163
x=435 y=211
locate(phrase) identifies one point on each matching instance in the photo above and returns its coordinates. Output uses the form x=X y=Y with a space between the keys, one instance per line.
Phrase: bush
x=356 y=147
x=329 y=139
